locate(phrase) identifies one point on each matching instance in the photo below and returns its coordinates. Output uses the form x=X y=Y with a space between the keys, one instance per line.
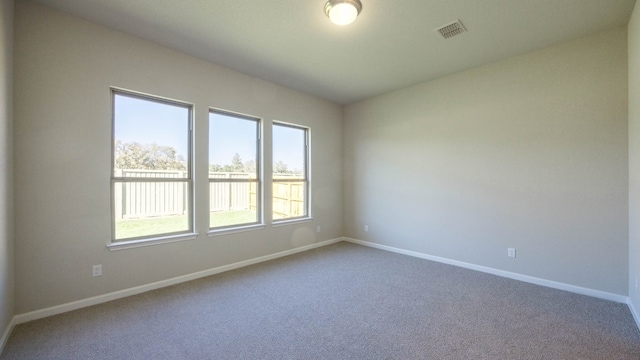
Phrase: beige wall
x=634 y=156
x=63 y=71
x=6 y=164
x=529 y=153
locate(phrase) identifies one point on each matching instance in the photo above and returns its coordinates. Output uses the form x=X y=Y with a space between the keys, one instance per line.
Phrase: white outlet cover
x=97 y=270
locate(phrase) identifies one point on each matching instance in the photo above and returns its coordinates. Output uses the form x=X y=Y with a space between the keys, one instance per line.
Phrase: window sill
x=122 y=245
x=291 y=221
x=239 y=229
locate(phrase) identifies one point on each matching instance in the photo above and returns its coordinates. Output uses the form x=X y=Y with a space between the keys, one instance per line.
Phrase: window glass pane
x=290 y=182
x=289 y=199
x=151 y=180
x=234 y=183
x=150 y=208
x=150 y=136
x=289 y=155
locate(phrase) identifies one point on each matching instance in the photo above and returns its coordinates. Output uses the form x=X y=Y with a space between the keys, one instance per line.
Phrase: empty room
x=319 y=179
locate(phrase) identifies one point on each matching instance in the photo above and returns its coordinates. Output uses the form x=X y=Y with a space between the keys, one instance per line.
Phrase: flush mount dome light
x=342 y=12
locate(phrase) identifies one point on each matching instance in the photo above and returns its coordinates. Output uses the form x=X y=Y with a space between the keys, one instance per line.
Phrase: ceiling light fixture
x=342 y=12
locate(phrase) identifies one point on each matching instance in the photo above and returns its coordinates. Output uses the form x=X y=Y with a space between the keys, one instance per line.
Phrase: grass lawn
x=161 y=225
x=226 y=218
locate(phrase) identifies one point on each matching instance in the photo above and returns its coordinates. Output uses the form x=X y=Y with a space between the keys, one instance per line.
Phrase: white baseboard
x=7 y=333
x=511 y=275
x=59 y=309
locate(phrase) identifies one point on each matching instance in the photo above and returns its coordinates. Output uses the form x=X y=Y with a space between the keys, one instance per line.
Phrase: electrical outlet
x=97 y=270
x=511 y=252
x=366 y=228
x=318 y=228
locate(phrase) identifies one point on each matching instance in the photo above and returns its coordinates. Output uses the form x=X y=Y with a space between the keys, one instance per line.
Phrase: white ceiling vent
x=453 y=29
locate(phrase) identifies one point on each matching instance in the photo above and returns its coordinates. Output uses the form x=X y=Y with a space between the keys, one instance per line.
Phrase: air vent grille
x=450 y=30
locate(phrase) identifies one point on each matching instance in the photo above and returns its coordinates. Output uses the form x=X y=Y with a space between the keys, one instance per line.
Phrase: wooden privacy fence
x=288 y=199
x=229 y=196
x=147 y=198
x=134 y=200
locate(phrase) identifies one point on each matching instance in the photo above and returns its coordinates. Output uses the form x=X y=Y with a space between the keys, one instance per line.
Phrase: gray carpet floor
x=342 y=301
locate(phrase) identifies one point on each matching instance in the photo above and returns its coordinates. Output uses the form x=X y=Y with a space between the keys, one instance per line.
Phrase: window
x=234 y=170
x=151 y=180
x=290 y=172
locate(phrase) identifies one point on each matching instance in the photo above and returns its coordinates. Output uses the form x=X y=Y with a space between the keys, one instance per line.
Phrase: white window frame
x=259 y=223
x=306 y=180
x=189 y=234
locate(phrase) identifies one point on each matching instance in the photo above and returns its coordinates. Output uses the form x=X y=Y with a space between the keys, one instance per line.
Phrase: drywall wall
x=529 y=153
x=6 y=164
x=634 y=156
x=63 y=73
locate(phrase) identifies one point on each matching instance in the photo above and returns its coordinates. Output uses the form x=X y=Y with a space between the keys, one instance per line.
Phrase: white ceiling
x=391 y=45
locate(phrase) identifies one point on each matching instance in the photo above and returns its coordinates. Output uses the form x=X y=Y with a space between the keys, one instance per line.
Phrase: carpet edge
x=634 y=313
x=95 y=300
x=7 y=333
x=507 y=274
